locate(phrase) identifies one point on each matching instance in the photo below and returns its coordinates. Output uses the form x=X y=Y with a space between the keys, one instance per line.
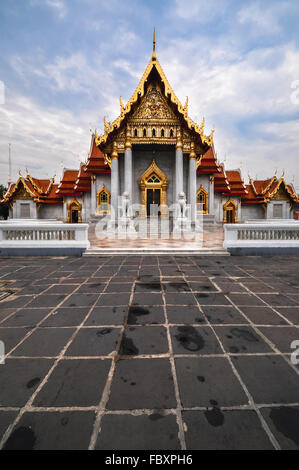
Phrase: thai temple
x=153 y=154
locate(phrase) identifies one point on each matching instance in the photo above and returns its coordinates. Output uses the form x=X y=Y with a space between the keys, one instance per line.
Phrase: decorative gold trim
x=140 y=92
x=100 y=191
x=192 y=154
x=74 y=205
x=206 y=195
x=230 y=205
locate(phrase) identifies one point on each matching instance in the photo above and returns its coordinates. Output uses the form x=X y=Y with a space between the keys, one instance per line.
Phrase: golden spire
x=154 y=45
x=186 y=105
x=122 y=108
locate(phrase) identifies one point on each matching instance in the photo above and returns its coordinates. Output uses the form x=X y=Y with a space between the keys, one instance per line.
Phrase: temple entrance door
x=230 y=212
x=74 y=209
x=153 y=197
x=229 y=216
x=75 y=217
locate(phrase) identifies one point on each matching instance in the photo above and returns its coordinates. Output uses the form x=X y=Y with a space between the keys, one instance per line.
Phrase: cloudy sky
x=64 y=64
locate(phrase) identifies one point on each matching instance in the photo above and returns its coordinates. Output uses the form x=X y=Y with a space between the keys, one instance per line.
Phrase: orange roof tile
x=208 y=163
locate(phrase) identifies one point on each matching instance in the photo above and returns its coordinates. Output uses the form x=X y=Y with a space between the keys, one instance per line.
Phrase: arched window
x=171 y=132
x=103 y=200
x=202 y=201
x=162 y=132
x=144 y=132
x=135 y=133
x=154 y=133
x=153 y=179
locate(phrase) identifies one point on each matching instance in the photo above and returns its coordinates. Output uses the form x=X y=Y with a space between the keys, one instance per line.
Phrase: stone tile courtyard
x=152 y=352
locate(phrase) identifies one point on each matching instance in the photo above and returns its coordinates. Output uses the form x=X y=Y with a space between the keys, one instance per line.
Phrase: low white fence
x=272 y=238
x=45 y=238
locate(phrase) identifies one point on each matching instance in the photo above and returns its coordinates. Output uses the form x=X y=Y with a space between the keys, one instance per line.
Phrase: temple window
x=153 y=179
x=135 y=133
x=162 y=132
x=171 y=132
x=202 y=201
x=144 y=132
x=154 y=133
x=103 y=201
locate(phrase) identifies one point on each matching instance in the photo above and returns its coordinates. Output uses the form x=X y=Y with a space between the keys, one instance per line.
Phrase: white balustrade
x=42 y=235
x=282 y=234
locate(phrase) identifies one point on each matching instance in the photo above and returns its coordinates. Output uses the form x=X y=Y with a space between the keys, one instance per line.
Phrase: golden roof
x=140 y=92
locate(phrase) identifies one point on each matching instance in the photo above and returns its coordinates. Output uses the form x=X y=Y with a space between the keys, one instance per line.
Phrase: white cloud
x=261 y=18
x=201 y=11
x=41 y=138
x=58 y=6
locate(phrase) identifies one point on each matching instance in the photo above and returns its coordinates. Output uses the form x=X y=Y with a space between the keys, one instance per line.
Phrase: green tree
x=3 y=207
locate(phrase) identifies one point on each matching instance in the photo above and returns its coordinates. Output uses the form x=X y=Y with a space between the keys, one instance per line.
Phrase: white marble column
x=93 y=195
x=114 y=180
x=211 y=195
x=128 y=164
x=178 y=166
x=192 y=182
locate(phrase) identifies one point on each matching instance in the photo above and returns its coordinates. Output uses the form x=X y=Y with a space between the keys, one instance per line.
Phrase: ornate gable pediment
x=281 y=195
x=154 y=108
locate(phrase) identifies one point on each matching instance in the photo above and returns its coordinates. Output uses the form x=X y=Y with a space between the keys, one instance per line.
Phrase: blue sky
x=64 y=64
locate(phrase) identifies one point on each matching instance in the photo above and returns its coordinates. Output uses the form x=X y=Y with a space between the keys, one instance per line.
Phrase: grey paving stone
x=81 y=300
x=94 y=342
x=94 y=287
x=62 y=289
x=44 y=342
x=68 y=316
x=5 y=313
x=45 y=300
x=6 y=419
x=116 y=287
x=53 y=430
x=147 y=299
x=148 y=287
x=176 y=287
x=27 y=317
x=187 y=314
x=215 y=429
x=284 y=424
x=194 y=340
x=278 y=300
x=76 y=382
x=173 y=298
x=146 y=432
x=281 y=337
x=206 y=286
x=149 y=314
x=113 y=300
x=15 y=301
x=223 y=315
x=211 y=299
x=241 y=339
x=268 y=378
x=12 y=336
x=291 y=313
x=145 y=383
x=144 y=340
x=263 y=316
x=106 y=316
x=19 y=378
x=205 y=381
x=245 y=299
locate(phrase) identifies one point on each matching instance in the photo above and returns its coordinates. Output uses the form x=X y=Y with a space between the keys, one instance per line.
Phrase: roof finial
x=154 y=45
